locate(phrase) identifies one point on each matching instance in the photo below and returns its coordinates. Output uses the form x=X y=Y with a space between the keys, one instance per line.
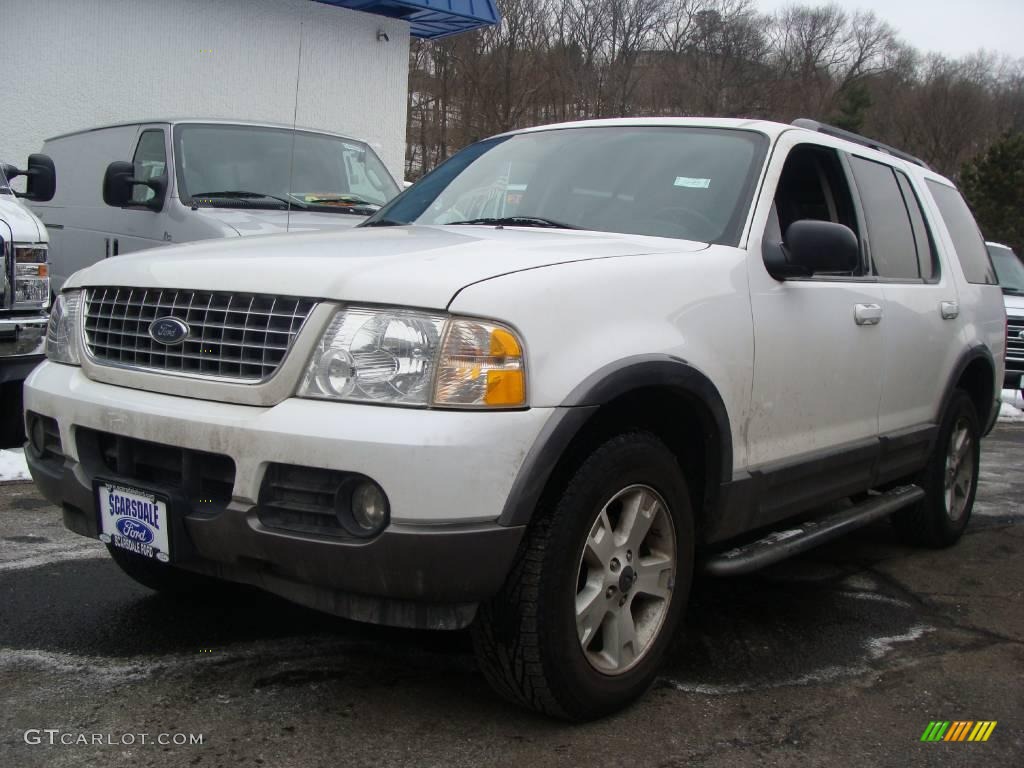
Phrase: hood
x=1014 y=304
x=25 y=227
x=417 y=266
x=261 y=222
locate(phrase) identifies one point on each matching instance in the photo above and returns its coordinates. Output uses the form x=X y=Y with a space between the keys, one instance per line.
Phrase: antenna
x=295 y=117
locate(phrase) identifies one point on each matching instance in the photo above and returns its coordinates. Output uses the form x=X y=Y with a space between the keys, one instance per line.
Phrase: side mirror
x=40 y=178
x=119 y=182
x=811 y=246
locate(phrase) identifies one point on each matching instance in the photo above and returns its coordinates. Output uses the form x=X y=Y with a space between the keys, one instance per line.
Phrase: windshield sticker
x=692 y=183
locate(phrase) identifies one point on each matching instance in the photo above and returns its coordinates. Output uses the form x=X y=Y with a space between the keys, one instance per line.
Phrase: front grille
x=206 y=479
x=238 y=336
x=1015 y=338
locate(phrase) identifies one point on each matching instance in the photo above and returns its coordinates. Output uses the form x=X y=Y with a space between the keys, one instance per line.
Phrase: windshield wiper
x=383 y=223
x=243 y=195
x=354 y=200
x=516 y=221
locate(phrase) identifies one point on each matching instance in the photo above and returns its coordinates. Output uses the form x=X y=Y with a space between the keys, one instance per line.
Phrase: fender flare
x=977 y=351
x=601 y=387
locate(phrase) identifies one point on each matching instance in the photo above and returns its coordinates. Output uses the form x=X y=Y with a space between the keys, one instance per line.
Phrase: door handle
x=950 y=310
x=867 y=314
x=106 y=247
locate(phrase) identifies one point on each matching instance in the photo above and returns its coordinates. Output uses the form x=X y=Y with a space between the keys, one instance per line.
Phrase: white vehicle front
x=1010 y=271
x=534 y=388
x=24 y=288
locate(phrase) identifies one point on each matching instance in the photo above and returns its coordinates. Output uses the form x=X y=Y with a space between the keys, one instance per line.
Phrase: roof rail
x=856 y=138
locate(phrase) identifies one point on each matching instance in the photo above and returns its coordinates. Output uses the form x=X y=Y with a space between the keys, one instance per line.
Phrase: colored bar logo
x=959 y=730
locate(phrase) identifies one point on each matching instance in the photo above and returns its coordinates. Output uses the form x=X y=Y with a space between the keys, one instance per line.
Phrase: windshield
x=691 y=183
x=238 y=165
x=1009 y=269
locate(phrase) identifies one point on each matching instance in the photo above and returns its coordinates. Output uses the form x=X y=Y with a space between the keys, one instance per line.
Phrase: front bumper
x=22 y=341
x=447 y=475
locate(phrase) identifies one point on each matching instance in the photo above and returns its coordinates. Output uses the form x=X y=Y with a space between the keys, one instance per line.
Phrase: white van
x=137 y=185
x=24 y=288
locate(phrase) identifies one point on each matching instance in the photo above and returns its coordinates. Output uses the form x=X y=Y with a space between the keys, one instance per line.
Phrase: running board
x=782 y=544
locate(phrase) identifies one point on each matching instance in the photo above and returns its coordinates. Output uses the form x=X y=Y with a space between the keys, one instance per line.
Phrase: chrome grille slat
x=1014 y=342
x=239 y=337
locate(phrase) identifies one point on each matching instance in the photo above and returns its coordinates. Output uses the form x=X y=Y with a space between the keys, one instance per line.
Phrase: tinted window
x=964 y=232
x=150 y=162
x=926 y=259
x=893 y=249
x=1009 y=269
x=691 y=183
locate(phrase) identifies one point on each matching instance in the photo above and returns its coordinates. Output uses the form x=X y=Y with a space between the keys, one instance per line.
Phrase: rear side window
x=964 y=232
x=890 y=232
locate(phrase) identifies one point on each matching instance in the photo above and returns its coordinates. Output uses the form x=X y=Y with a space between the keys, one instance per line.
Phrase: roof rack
x=856 y=138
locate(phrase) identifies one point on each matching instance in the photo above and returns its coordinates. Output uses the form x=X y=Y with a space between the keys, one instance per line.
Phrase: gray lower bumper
x=427 y=576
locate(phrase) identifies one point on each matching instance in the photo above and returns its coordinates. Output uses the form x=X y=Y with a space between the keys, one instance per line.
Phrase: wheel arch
x=663 y=394
x=975 y=373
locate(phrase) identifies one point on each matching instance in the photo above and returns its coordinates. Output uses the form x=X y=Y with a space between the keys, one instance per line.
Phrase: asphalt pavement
x=841 y=657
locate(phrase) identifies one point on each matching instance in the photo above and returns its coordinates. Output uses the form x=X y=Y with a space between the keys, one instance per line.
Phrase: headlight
x=62 y=334
x=406 y=357
x=31 y=277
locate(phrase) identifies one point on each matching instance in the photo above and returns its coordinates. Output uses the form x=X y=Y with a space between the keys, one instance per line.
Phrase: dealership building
x=334 y=65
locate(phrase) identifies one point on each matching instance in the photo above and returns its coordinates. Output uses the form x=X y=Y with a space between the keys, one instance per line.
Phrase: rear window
x=964 y=232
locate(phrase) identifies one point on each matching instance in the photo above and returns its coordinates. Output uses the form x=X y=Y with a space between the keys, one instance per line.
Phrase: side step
x=782 y=544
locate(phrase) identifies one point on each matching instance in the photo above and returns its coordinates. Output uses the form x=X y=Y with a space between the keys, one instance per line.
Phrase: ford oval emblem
x=135 y=530
x=168 y=330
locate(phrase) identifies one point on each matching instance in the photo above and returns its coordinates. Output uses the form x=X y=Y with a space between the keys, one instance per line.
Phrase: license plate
x=134 y=520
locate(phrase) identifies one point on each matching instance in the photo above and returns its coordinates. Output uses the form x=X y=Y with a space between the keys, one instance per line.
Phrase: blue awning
x=430 y=18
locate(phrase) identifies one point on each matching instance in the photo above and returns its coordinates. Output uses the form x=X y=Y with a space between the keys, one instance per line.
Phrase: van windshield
x=667 y=181
x=239 y=166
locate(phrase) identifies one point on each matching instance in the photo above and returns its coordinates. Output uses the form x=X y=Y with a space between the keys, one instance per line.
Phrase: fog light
x=361 y=507
x=37 y=436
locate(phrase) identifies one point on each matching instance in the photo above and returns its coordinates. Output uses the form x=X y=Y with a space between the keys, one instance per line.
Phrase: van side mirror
x=811 y=246
x=40 y=178
x=119 y=182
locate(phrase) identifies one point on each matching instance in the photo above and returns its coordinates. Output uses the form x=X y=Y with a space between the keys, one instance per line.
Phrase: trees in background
x=555 y=60
x=993 y=184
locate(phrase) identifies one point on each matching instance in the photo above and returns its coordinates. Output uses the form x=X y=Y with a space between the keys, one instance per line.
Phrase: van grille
x=238 y=336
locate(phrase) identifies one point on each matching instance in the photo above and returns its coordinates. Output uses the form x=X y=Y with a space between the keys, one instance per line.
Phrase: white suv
x=538 y=389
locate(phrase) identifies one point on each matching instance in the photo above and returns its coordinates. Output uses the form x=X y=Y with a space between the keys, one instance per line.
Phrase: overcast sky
x=953 y=27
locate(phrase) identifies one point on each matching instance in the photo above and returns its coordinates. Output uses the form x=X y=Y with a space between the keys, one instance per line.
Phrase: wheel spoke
x=654 y=577
x=591 y=608
x=600 y=542
x=963 y=445
x=638 y=516
x=620 y=638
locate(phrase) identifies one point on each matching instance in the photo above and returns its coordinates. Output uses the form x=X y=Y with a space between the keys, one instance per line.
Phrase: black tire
x=526 y=639
x=928 y=524
x=162 y=578
x=12 y=424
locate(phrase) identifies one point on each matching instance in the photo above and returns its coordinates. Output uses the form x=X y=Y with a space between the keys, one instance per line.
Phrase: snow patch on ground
x=13 y=466
x=1012 y=408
